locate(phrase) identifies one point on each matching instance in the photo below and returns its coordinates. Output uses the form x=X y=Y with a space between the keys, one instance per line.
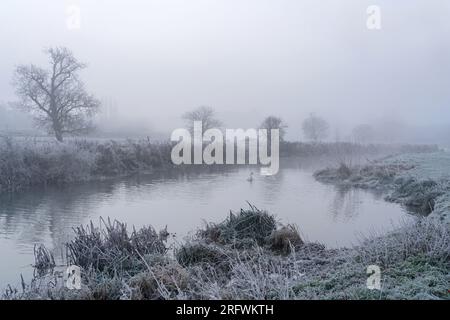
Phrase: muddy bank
x=247 y=256
x=406 y=179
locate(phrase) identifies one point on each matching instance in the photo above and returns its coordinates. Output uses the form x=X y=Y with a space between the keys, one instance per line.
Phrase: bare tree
x=363 y=133
x=205 y=114
x=315 y=128
x=56 y=97
x=273 y=122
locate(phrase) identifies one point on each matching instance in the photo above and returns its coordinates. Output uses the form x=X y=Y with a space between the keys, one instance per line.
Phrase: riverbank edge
x=419 y=194
x=27 y=163
x=247 y=256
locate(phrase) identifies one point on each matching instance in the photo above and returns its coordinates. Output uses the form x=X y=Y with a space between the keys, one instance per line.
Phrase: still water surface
x=183 y=202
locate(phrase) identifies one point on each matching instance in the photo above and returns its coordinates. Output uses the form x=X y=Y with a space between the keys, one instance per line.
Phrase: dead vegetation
x=272 y=262
x=284 y=240
x=252 y=227
x=248 y=226
x=43 y=259
x=109 y=247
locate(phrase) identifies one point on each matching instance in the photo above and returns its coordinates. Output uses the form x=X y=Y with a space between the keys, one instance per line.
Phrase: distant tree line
x=56 y=98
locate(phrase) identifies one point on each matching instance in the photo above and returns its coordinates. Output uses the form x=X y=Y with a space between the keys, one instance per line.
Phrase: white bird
x=250 y=179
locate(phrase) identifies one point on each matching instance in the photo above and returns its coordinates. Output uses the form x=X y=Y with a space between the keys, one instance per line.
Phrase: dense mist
x=151 y=61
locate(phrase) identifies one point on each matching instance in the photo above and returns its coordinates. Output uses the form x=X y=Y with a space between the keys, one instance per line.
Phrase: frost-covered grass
x=414 y=262
x=344 y=150
x=421 y=182
x=28 y=163
x=430 y=167
x=433 y=166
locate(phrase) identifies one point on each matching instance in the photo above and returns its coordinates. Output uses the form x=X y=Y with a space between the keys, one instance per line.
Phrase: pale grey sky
x=246 y=58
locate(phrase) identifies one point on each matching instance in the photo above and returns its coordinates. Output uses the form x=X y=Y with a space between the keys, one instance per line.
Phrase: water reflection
x=272 y=186
x=34 y=215
x=183 y=200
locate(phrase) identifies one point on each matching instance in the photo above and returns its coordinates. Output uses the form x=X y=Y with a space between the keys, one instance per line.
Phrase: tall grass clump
x=110 y=248
x=252 y=225
x=44 y=259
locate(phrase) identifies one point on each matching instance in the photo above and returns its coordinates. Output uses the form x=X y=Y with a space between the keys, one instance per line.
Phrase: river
x=324 y=213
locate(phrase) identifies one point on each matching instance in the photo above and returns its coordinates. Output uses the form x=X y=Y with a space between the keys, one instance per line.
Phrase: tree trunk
x=59 y=136
x=57 y=130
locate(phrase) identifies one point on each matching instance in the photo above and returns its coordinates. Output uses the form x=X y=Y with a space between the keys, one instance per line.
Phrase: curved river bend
x=324 y=213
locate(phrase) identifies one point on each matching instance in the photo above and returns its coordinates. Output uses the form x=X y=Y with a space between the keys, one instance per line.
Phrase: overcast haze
x=247 y=58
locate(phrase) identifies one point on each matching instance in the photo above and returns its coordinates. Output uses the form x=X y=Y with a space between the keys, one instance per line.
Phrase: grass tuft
x=246 y=227
x=110 y=248
x=44 y=260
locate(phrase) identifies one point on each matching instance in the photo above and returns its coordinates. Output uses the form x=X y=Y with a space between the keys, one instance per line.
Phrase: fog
x=150 y=61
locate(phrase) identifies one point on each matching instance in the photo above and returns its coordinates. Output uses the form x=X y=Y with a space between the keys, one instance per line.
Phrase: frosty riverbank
x=421 y=182
x=251 y=256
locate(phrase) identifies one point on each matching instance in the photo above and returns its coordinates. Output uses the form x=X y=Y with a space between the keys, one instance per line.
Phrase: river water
x=324 y=213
